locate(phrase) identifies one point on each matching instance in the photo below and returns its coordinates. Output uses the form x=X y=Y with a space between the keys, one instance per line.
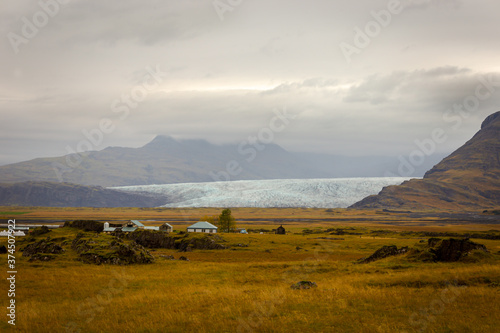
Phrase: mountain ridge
x=468 y=179
x=50 y=194
x=165 y=160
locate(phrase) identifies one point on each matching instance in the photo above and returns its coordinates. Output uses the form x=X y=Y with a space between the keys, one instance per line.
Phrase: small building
x=107 y=228
x=241 y=231
x=146 y=227
x=202 y=226
x=280 y=230
x=131 y=226
x=17 y=233
x=134 y=224
x=166 y=228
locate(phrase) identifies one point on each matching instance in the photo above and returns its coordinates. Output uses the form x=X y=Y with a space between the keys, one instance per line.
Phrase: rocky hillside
x=468 y=179
x=70 y=195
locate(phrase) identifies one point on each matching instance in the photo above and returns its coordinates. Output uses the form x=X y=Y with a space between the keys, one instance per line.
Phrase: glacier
x=307 y=193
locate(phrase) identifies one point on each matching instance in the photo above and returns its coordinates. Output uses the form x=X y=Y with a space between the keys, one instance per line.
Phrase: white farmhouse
x=202 y=226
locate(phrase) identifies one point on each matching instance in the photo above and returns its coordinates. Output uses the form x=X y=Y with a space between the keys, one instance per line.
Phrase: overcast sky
x=359 y=77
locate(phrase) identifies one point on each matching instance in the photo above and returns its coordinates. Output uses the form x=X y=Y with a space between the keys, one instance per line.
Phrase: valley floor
x=246 y=288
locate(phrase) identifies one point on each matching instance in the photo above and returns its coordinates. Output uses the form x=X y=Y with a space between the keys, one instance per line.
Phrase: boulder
x=167 y=257
x=453 y=249
x=383 y=252
x=44 y=246
x=304 y=285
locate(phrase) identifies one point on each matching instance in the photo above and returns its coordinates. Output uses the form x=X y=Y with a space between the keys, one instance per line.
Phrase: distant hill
x=468 y=179
x=166 y=161
x=70 y=195
x=163 y=160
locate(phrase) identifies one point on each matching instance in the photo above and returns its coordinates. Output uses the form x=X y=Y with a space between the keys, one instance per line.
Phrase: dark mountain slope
x=70 y=195
x=468 y=179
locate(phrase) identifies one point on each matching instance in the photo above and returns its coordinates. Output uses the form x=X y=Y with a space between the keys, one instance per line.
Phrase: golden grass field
x=247 y=289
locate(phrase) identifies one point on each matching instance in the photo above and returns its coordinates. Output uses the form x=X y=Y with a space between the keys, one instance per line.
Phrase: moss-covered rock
x=183 y=243
x=40 y=231
x=44 y=246
x=98 y=250
x=383 y=252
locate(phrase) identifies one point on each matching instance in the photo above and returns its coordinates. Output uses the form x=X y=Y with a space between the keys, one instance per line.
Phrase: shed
x=280 y=230
x=166 y=228
x=151 y=228
x=107 y=228
x=202 y=226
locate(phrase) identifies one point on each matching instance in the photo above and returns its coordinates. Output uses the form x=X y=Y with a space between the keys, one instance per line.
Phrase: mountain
x=166 y=160
x=70 y=195
x=468 y=179
x=163 y=160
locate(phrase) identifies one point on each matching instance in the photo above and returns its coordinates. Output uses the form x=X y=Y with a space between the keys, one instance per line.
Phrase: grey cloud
x=224 y=78
x=425 y=4
x=447 y=83
x=146 y=22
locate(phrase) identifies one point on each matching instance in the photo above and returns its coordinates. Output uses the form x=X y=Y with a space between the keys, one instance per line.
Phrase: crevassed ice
x=313 y=193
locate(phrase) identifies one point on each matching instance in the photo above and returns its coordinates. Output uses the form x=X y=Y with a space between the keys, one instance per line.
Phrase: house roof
x=151 y=228
x=128 y=229
x=202 y=225
x=109 y=229
x=168 y=225
x=21 y=228
x=137 y=223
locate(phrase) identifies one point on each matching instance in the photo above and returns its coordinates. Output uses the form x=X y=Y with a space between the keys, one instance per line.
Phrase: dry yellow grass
x=247 y=289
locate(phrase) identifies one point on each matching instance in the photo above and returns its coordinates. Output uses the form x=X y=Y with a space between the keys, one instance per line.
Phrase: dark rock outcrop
x=183 y=243
x=452 y=249
x=304 y=285
x=93 y=251
x=384 y=252
x=39 y=231
x=43 y=250
x=436 y=250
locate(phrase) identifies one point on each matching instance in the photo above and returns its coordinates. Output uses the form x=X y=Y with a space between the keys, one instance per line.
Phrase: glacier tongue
x=310 y=193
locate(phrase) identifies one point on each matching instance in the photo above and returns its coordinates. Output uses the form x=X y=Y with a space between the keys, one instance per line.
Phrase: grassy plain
x=246 y=288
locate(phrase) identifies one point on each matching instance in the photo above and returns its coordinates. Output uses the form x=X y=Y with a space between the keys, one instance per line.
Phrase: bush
x=85 y=225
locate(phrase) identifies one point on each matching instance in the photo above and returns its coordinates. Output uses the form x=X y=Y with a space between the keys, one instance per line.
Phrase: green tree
x=227 y=222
